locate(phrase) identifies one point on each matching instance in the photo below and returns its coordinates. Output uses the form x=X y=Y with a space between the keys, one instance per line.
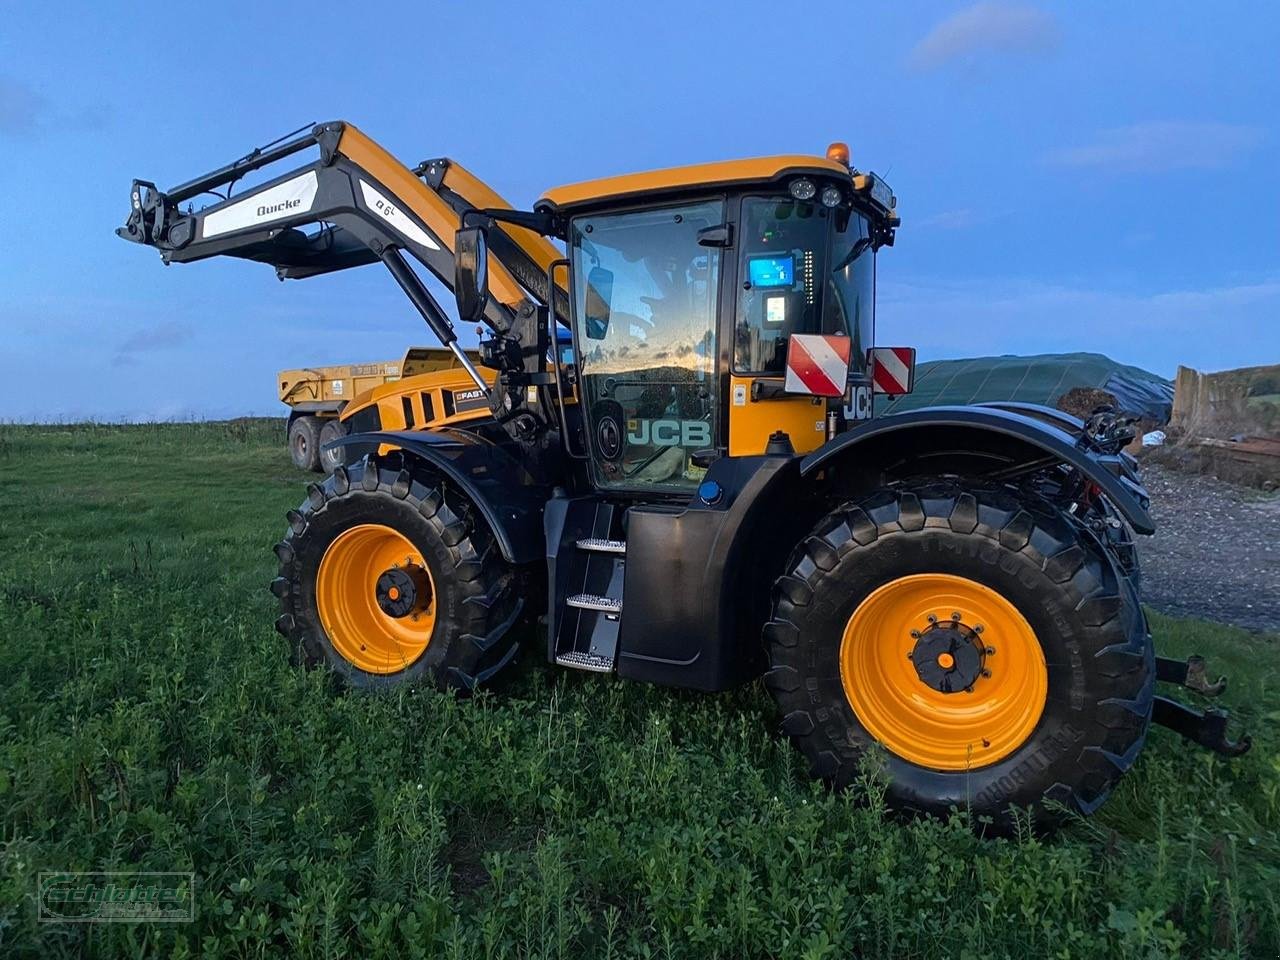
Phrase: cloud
x=986 y=28
x=21 y=108
x=162 y=336
x=950 y=219
x=1161 y=146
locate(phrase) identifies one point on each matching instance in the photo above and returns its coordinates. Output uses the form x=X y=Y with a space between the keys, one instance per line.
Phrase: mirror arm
x=540 y=222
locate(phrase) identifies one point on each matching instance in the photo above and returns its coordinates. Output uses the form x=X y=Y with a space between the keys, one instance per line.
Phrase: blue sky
x=1083 y=176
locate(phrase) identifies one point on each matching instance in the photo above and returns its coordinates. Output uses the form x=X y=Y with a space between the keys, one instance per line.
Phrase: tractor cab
x=689 y=287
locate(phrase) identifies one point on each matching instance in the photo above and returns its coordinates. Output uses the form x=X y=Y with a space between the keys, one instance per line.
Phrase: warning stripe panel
x=817 y=364
x=893 y=369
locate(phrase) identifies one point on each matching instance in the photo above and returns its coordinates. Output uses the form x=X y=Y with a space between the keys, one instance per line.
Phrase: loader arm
x=353 y=205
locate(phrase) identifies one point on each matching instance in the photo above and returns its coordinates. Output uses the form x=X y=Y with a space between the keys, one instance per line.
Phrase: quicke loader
x=700 y=495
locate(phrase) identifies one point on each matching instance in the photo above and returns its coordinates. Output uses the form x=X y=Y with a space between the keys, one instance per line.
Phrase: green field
x=150 y=721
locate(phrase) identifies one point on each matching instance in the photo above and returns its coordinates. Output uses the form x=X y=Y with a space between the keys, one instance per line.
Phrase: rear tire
x=475 y=598
x=330 y=460
x=304 y=442
x=1096 y=676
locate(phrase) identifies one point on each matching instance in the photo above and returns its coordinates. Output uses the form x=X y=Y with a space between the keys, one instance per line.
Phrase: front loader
x=703 y=496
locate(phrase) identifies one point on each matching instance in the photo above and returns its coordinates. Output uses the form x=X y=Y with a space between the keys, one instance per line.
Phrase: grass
x=148 y=720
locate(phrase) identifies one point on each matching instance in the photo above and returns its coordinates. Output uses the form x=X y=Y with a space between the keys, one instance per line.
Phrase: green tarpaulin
x=1038 y=379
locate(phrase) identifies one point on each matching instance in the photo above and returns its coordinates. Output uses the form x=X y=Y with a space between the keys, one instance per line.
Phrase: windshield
x=645 y=305
x=805 y=269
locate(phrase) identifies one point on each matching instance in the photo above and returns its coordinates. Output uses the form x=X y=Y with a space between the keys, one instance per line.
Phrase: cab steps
x=587 y=574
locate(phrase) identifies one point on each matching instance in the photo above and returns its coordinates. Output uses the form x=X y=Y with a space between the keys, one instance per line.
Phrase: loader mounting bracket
x=1209 y=729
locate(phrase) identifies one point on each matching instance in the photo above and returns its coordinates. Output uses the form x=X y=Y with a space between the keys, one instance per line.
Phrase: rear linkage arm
x=1208 y=729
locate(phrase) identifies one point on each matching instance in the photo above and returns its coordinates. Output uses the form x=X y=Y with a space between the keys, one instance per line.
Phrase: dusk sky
x=1085 y=176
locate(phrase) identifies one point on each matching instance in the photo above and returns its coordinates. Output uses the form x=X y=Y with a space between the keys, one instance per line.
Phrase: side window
x=783 y=251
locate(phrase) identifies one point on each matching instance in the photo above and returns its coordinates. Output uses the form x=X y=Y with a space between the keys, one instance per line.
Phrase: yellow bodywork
x=752 y=421
x=758 y=169
x=434 y=399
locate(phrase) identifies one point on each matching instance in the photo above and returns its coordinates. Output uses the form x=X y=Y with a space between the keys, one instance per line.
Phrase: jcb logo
x=858 y=403
x=669 y=433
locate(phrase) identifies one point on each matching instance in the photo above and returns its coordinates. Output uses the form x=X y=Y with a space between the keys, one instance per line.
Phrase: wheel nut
x=932 y=618
x=989 y=651
x=977 y=628
x=915 y=634
x=955 y=616
x=986 y=673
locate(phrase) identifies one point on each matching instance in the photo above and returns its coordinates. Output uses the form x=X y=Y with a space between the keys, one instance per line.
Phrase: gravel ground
x=1216 y=551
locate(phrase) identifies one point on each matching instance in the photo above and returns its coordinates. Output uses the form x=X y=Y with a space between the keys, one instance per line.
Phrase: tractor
x=698 y=494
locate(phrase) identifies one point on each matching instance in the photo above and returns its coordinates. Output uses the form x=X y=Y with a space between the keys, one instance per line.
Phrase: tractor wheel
x=986 y=641
x=330 y=460
x=304 y=442
x=387 y=575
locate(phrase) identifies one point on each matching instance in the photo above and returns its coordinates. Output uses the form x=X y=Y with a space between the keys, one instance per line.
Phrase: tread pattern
x=468 y=647
x=1076 y=755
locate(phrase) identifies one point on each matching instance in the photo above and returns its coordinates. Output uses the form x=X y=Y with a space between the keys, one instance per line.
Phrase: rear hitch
x=1209 y=729
x=1189 y=673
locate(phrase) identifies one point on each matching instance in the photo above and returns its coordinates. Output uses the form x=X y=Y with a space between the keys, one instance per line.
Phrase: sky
x=1071 y=176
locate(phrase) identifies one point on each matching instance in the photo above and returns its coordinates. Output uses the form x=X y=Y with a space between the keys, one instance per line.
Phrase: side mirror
x=471 y=273
x=599 y=302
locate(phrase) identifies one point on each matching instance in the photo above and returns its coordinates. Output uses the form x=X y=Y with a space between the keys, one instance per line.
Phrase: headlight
x=803 y=189
x=831 y=196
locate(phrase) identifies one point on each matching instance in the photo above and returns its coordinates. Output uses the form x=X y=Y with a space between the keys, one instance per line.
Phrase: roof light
x=839 y=152
x=803 y=189
x=831 y=196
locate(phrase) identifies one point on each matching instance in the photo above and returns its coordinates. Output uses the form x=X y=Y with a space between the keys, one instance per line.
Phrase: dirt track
x=1216 y=551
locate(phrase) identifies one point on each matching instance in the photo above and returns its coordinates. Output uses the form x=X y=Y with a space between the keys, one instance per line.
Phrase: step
x=602 y=545
x=585 y=661
x=589 y=601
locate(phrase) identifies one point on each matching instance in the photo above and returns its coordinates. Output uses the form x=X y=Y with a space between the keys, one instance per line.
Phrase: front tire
x=389 y=578
x=1031 y=672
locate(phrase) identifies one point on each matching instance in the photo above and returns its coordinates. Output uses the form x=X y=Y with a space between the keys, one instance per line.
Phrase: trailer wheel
x=330 y=460
x=304 y=442
x=386 y=575
x=982 y=638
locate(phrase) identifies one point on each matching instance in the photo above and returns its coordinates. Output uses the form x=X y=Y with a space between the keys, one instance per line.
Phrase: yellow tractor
x=699 y=493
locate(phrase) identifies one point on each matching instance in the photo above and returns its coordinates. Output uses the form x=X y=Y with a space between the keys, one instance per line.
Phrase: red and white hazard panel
x=893 y=369
x=817 y=364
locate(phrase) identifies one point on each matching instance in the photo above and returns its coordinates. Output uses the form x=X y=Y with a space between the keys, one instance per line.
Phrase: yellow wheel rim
x=356 y=623
x=943 y=625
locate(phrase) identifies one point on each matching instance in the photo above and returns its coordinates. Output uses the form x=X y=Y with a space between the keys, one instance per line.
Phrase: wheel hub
x=402 y=590
x=949 y=657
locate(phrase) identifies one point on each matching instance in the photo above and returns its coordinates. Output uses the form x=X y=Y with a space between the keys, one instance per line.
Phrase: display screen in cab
x=772 y=271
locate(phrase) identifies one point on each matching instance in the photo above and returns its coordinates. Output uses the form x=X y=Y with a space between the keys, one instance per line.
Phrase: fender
x=1032 y=433
x=508 y=497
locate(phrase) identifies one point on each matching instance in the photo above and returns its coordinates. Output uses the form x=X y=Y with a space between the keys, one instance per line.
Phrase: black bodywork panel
x=507 y=495
x=883 y=438
x=699 y=576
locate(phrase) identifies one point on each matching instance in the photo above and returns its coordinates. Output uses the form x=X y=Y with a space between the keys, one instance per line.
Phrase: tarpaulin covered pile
x=1039 y=379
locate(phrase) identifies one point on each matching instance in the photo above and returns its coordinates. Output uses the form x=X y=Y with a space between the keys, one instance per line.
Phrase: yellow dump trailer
x=317 y=396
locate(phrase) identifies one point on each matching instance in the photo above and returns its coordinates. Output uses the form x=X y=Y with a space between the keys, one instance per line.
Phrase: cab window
x=805 y=268
x=645 y=293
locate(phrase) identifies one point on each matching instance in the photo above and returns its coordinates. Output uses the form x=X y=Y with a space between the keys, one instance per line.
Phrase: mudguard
x=505 y=493
x=1032 y=427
